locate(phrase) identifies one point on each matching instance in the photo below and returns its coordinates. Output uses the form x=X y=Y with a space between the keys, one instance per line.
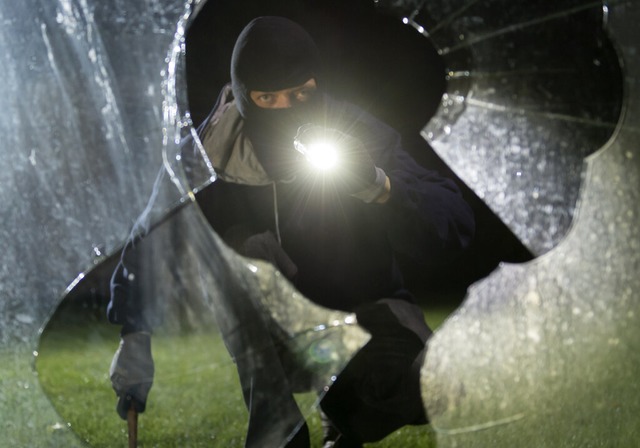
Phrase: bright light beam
x=321 y=154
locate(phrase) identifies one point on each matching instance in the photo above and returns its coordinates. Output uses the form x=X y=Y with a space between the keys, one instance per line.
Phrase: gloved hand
x=132 y=372
x=265 y=246
x=356 y=165
x=355 y=170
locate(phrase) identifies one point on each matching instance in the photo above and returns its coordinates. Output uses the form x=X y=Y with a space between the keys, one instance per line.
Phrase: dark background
x=374 y=60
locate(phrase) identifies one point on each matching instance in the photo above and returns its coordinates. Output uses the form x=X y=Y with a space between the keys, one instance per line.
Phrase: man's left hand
x=356 y=165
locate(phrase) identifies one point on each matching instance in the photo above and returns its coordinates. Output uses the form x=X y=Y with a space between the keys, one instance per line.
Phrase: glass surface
x=82 y=94
x=94 y=100
x=522 y=109
x=543 y=353
x=122 y=123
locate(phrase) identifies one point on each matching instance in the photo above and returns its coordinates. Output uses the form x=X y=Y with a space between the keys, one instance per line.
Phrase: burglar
x=331 y=225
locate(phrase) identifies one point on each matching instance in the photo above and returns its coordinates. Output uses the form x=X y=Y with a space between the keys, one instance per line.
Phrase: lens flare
x=318 y=148
x=322 y=155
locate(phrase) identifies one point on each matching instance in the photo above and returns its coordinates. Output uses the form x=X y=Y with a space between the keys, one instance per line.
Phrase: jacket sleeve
x=132 y=301
x=426 y=217
x=126 y=305
x=134 y=291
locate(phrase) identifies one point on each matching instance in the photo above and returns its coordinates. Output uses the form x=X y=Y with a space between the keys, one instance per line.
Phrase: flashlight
x=316 y=144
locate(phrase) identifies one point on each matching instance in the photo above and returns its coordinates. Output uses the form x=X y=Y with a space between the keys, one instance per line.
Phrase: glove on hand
x=356 y=170
x=264 y=246
x=132 y=372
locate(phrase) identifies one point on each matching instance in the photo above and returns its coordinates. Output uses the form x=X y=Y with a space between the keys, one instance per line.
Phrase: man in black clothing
x=333 y=232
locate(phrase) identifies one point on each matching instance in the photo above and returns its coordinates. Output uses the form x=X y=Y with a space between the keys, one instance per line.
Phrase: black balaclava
x=274 y=53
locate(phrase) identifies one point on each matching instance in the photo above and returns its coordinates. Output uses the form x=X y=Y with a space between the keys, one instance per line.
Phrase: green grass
x=195 y=400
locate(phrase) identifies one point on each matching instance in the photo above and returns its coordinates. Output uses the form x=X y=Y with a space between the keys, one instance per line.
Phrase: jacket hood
x=229 y=149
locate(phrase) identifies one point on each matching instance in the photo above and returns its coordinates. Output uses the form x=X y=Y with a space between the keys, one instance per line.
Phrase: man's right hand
x=265 y=246
x=132 y=372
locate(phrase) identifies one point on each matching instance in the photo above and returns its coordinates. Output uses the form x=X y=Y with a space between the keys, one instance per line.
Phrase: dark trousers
x=379 y=390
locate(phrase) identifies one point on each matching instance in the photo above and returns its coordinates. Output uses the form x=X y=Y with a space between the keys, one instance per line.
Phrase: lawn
x=195 y=400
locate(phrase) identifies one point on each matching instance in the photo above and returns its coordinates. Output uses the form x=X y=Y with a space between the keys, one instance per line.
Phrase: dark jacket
x=344 y=248
x=344 y=251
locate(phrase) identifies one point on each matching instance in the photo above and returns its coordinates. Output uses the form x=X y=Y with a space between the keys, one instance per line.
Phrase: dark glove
x=355 y=170
x=357 y=167
x=265 y=246
x=132 y=372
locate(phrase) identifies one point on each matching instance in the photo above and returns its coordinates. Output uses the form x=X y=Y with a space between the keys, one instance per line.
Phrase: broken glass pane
x=86 y=131
x=235 y=312
x=546 y=351
x=82 y=132
x=521 y=111
x=117 y=97
x=185 y=293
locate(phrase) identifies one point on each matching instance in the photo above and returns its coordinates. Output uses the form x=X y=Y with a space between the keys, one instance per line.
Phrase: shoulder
x=227 y=146
x=354 y=119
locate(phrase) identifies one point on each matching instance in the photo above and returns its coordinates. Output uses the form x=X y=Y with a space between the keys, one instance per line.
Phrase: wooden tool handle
x=132 y=423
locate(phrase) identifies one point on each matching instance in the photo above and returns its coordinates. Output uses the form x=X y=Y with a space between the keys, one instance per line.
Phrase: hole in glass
x=70 y=323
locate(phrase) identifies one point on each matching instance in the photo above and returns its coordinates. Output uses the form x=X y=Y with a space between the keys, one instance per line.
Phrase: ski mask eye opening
x=271 y=54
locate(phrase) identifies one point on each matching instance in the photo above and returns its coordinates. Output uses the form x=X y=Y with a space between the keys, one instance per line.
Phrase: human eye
x=266 y=98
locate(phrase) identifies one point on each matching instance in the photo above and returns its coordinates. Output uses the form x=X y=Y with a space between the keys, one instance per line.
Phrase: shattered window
x=538 y=118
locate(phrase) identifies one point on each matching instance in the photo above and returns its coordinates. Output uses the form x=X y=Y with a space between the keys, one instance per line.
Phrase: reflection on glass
x=196 y=398
x=82 y=137
x=522 y=112
x=544 y=352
